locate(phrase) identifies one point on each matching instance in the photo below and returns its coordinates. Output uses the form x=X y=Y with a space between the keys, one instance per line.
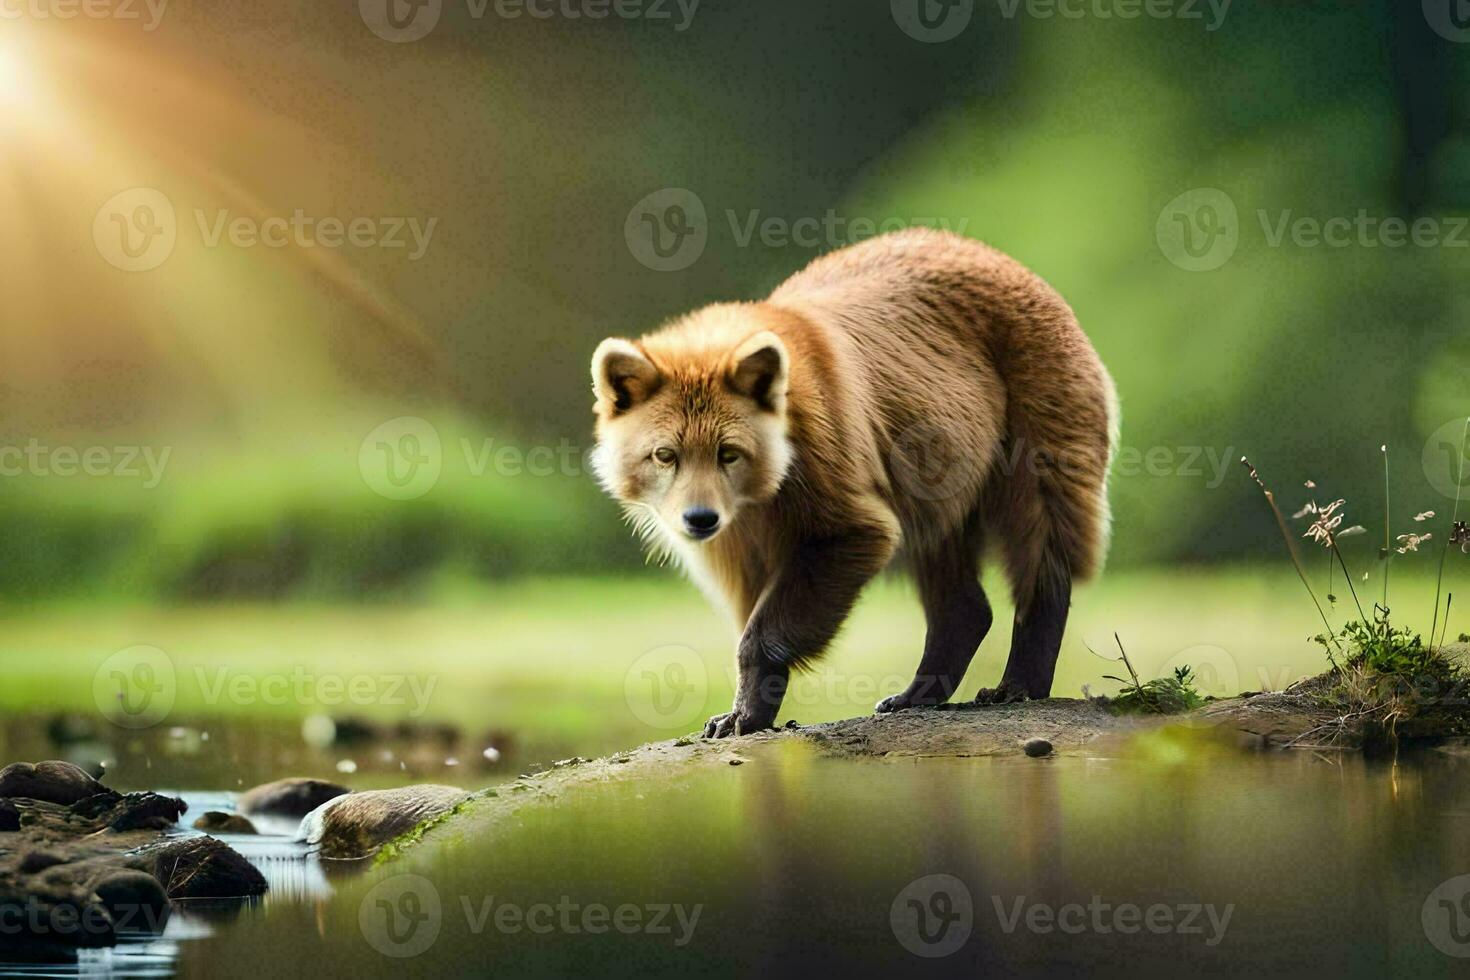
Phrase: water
x=1171 y=855
x=294 y=875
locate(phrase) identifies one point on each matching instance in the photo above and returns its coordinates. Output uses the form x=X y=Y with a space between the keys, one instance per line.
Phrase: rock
x=46 y=923
x=34 y=862
x=224 y=823
x=50 y=782
x=9 y=817
x=200 y=867
x=356 y=825
x=132 y=811
x=135 y=899
x=288 y=797
x=1037 y=747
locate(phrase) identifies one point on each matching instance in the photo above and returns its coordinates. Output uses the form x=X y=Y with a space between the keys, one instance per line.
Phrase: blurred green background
x=273 y=377
x=1061 y=141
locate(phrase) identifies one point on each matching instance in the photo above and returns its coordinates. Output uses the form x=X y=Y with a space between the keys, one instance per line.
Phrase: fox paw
x=737 y=722
x=924 y=692
x=1005 y=694
x=896 y=702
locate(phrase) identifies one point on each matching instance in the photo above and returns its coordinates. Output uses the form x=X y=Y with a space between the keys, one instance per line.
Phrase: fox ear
x=759 y=370
x=622 y=376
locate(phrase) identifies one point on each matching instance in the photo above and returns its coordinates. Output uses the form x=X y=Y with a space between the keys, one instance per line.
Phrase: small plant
x=1394 y=652
x=1379 y=670
x=1160 y=696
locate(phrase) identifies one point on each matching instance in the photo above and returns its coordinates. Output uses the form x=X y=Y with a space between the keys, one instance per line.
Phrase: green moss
x=396 y=848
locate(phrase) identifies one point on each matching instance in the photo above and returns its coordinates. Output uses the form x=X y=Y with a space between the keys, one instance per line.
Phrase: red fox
x=919 y=389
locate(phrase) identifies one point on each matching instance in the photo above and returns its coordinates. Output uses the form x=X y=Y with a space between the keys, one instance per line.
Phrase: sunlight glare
x=15 y=77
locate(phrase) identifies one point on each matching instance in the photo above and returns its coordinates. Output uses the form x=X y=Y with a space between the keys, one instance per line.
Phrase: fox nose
x=701 y=522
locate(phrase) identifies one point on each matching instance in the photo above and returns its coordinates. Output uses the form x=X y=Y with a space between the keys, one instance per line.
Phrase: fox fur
x=920 y=391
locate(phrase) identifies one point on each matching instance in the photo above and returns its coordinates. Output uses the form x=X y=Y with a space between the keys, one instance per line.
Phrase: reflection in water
x=1283 y=864
x=235 y=754
x=1173 y=855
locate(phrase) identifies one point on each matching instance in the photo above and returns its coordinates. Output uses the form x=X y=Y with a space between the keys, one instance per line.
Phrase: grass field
x=592 y=666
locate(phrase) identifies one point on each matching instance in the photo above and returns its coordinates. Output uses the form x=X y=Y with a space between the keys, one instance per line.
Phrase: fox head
x=690 y=432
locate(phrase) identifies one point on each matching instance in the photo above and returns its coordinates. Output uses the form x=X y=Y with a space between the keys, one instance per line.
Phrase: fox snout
x=701 y=523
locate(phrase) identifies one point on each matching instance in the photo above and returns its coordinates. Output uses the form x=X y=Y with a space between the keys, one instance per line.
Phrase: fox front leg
x=795 y=619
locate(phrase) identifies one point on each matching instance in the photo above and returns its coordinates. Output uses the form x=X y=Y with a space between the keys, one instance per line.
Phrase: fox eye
x=729 y=455
x=664 y=457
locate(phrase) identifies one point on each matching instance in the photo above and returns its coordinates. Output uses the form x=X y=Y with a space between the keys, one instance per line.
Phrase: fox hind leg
x=1036 y=639
x=957 y=615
